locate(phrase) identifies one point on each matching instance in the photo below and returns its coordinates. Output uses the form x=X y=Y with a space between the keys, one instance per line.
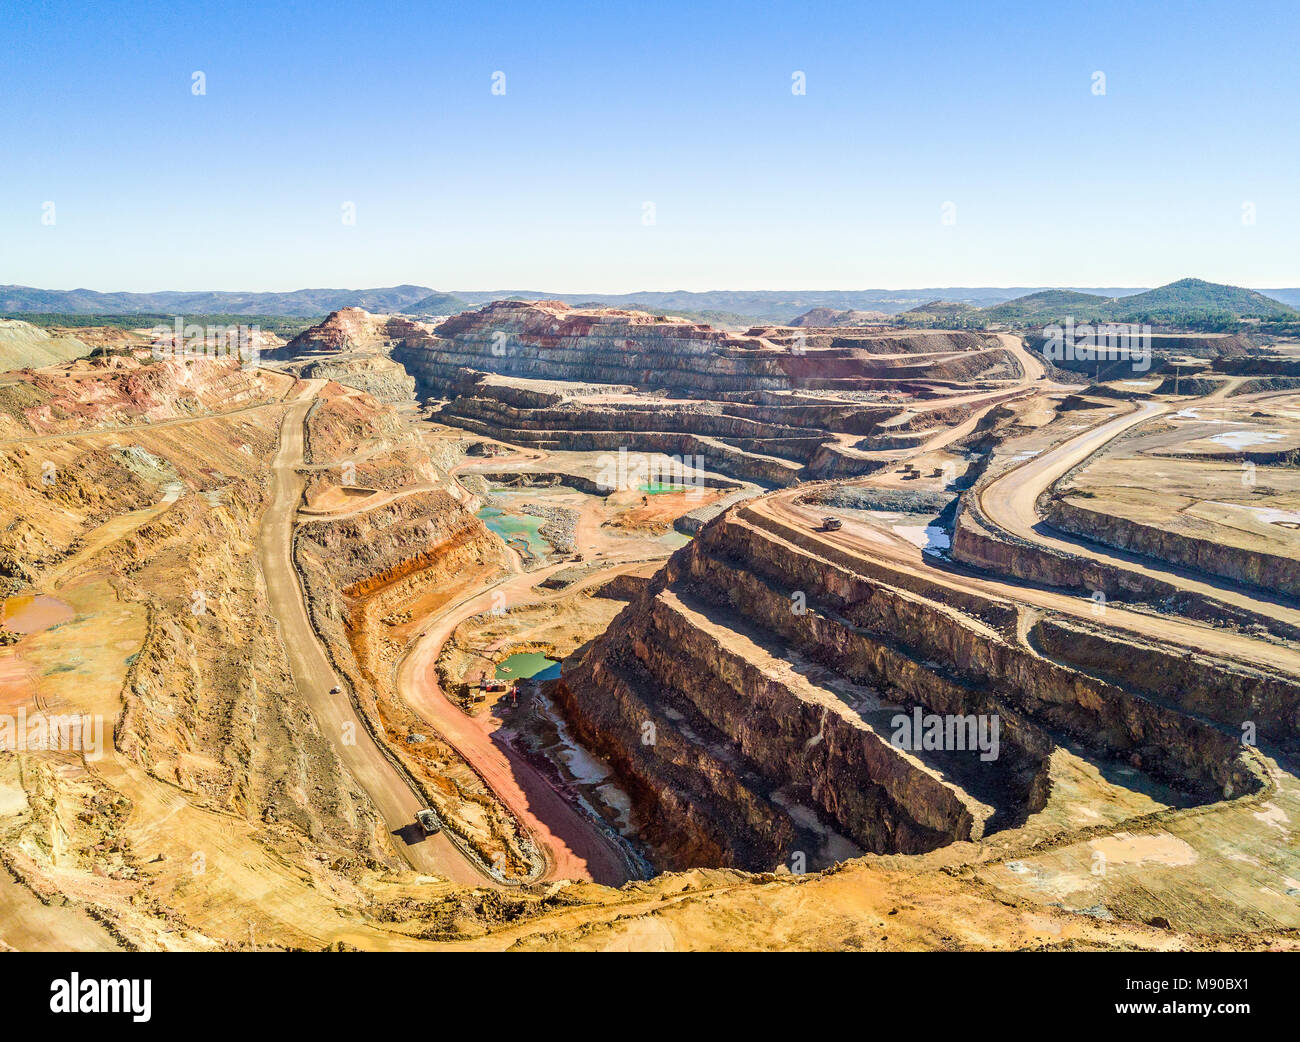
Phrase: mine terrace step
x=860 y=706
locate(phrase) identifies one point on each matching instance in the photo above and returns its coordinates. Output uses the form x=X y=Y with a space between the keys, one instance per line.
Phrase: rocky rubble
x=122 y=391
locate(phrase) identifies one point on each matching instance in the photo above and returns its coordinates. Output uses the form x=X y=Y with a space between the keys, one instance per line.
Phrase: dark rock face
x=1266 y=571
x=730 y=717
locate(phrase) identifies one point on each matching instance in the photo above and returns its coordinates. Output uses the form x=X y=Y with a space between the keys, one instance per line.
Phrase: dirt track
x=575 y=848
x=1013 y=506
x=1010 y=503
x=28 y=925
x=128 y=428
x=313 y=676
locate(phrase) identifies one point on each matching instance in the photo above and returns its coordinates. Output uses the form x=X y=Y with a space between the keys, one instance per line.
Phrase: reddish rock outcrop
x=552 y=341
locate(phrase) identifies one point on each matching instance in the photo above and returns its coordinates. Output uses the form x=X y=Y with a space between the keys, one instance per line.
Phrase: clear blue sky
x=689 y=106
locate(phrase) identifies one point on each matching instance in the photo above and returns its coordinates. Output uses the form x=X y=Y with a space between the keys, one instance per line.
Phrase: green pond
x=657 y=488
x=518 y=530
x=528 y=664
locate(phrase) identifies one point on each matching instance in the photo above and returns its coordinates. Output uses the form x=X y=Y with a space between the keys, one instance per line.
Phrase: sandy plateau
x=565 y=577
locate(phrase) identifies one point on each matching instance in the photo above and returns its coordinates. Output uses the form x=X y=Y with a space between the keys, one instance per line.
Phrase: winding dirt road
x=1010 y=502
x=313 y=676
x=575 y=847
x=129 y=428
x=1015 y=502
x=28 y=925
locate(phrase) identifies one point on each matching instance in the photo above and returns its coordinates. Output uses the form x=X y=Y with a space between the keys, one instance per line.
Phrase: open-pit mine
x=544 y=626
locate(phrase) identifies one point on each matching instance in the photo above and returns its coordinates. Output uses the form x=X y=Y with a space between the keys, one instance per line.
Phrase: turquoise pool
x=526 y=665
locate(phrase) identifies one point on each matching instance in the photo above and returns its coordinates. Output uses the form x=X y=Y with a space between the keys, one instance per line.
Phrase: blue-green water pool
x=518 y=530
x=528 y=665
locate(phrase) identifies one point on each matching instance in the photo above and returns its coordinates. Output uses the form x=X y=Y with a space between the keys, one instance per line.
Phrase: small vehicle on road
x=428 y=821
x=335 y=689
x=831 y=524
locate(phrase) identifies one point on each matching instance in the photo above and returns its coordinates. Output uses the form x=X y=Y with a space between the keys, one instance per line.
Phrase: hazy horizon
x=454 y=291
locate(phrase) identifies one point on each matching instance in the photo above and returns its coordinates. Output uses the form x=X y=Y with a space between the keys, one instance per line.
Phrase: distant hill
x=1193 y=303
x=718 y=319
x=1290 y=297
x=1195 y=296
x=287 y=326
x=995 y=304
x=943 y=307
x=770 y=306
x=1049 y=305
x=23 y=299
x=941 y=313
x=438 y=304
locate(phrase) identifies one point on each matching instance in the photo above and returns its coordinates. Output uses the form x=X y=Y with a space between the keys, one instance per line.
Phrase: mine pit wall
x=1174 y=747
x=725 y=736
x=551 y=478
x=846 y=635
x=368 y=549
x=1191 y=385
x=471 y=384
x=1228 y=693
x=675 y=785
x=1258 y=365
x=832 y=461
x=975 y=541
x=877 y=795
x=851 y=419
x=921 y=342
x=698 y=799
x=576 y=415
x=1163 y=347
x=979 y=543
x=1269 y=572
x=879 y=636
x=764 y=470
x=896 y=440
x=675 y=364
x=377 y=376
x=395 y=549
x=571 y=425
x=674 y=356
x=954 y=368
x=775 y=437
x=1260 y=457
x=882 y=798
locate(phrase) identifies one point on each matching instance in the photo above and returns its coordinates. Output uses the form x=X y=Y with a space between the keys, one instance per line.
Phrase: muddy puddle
x=31 y=613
